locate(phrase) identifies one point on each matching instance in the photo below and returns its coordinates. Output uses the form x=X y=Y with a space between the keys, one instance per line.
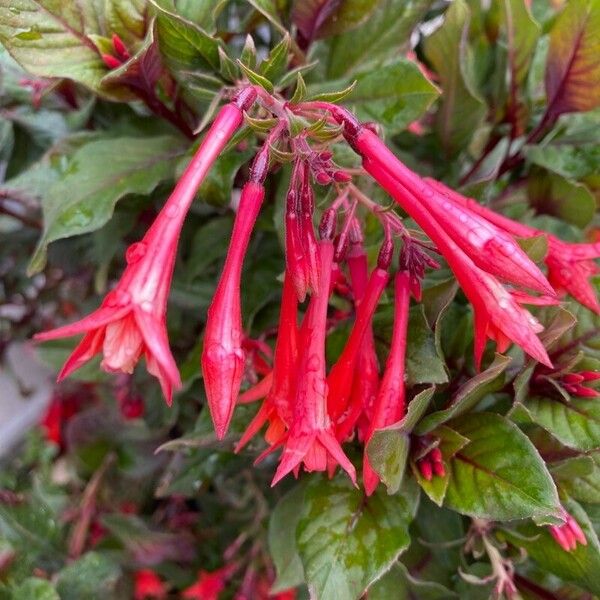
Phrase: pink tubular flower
x=340 y=378
x=390 y=403
x=310 y=438
x=498 y=314
x=574 y=383
x=568 y=535
x=569 y=265
x=222 y=354
x=131 y=320
x=148 y=585
x=276 y=408
x=486 y=245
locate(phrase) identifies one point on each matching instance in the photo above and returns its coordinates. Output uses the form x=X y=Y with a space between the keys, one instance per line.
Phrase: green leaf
x=334 y=96
x=282 y=540
x=535 y=247
x=300 y=90
x=98 y=175
x=337 y=531
x=575 y=424
x=572 y=162
x=349 y=15
x=50 y=39
x=274 y=66
x=468 y=395
x=34 y=588
x=554 y=195
x=573 y=69
x=499 y=474
x=183 y=44
x=382 y=36
x=522 y=33
x=269 y=9
x=256 y=77
x=423 y=362
x=127 y=18
x=394 y=95
x=581 y=566
x=388 y=448
x=399 y=584
x=461 y=109
x=580 y=477
x=91 y=577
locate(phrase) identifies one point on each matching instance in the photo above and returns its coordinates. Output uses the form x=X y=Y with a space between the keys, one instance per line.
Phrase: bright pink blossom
x=222 y=354
x=210 y=584
x=568 y=535
x=390 y=404
x=570 y=266
x=131 y=320
x=498 y=314
x=310 y=439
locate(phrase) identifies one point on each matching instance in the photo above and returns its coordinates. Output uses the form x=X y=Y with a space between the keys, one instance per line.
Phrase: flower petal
x=99 y=318
x=90 y=345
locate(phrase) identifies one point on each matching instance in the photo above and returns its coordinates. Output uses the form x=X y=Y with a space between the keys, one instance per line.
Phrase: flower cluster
x=311 y=410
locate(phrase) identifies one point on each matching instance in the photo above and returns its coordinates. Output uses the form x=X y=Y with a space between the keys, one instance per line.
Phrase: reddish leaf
x=573 y=67
x=310 y=15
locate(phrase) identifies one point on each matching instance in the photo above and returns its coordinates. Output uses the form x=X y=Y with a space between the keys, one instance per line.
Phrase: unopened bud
x=384 y=259
x=327 y=224
x=120 y=47
x=110 y=61
x=323 y=178
x=245 y=98
x=342 y=176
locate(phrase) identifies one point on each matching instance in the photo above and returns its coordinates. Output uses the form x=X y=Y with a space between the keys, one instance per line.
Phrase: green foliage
x=499 y=99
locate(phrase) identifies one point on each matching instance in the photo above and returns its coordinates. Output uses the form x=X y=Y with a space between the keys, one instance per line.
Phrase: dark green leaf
x=572 y=162
x=50 y=39
x=282 y=540
x=468 y=395
x=461 y=107
x=382 y=36
x=336 y=536
x=399 y=584
x=91 y=577
x=98 y=175
x=580 y=477
x=388 y=448
x=575 y=424
x=501 y=460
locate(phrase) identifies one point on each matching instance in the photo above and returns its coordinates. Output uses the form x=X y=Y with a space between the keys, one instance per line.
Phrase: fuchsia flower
x=569 y=265
x=498 y=314
x=567 y=536
x=574 y=383
x=310 y=439
x=390 y=403
x=131 y=320
x=432 y=464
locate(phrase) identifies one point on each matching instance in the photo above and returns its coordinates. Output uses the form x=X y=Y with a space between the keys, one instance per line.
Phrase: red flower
x=310 y=439
x=569 y=265
x=222 y=354
x=209 y=584
x=567 y=536
x=390 y=403
x=498 y=314
x=131 y=319
x=148 y=585
x=574 y=383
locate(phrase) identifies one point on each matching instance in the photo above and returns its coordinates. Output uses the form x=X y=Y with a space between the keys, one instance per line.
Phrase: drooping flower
x=310 y=439
x=222 y=354
x=485 y=244
x=570 y=266
x=340 y=378
x=568 y=535
x=131 y=320
x=277 y=408
x=498 y=314
x=390 y=403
